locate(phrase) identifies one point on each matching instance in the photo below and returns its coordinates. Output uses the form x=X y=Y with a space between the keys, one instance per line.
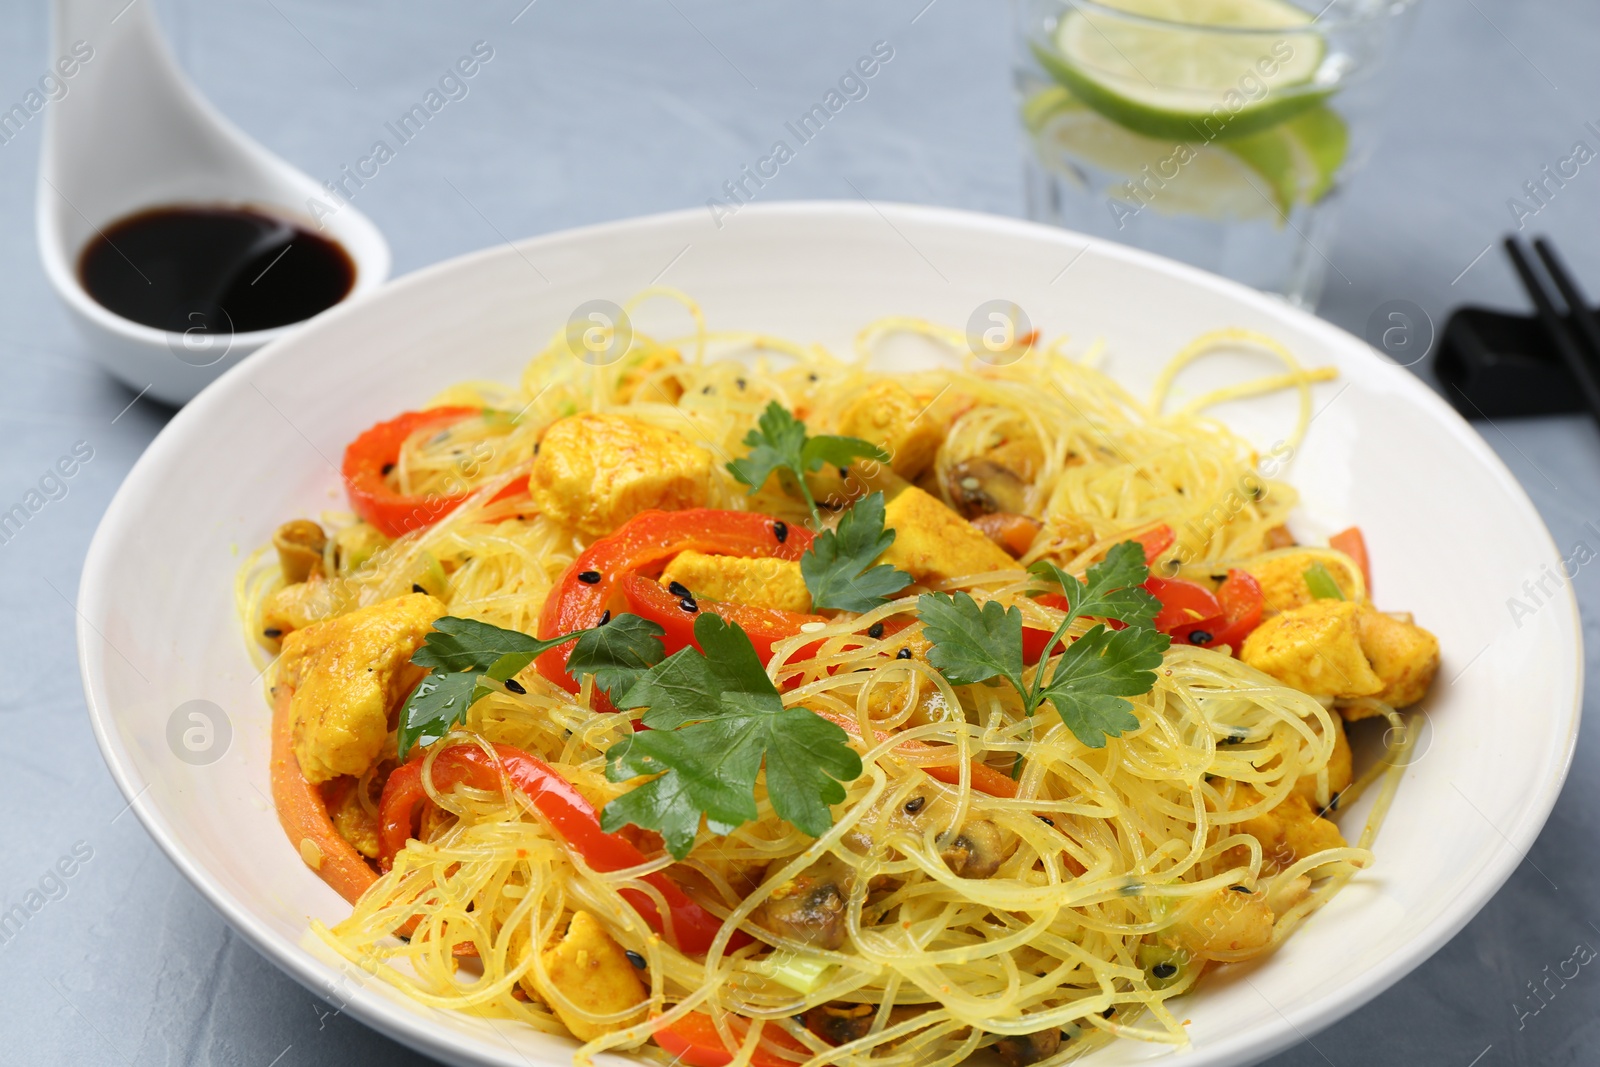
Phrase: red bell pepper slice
x=693 y=1040
x=1186 y=607
x=368 y=458
x=651 y=600
x=1354 y=545
x=303 y=813
x=1242 y=603
x=693 y=928
x=1155 y=541
x=642 y=545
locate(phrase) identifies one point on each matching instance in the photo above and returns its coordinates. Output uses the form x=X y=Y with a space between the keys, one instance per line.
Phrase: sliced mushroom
x=300 y=543
x=810 y=907
x=981 y=486
x=1019 y=1050
x=978 y=850
x=840 y=1024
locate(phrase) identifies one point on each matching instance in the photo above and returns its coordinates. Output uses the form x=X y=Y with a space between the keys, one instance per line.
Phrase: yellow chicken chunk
x=1227 y=924
x=897 y=422
x=1340 y=768
x=1315 y=649
x=933 y=543
x=762 y=583
x=1283 y=581
x=1289 y=832
x=591 y=971
x=597 y=471
x=1404 y=655
x=347 y=673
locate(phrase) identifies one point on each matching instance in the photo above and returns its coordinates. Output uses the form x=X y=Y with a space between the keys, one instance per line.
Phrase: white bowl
x=1452 y=537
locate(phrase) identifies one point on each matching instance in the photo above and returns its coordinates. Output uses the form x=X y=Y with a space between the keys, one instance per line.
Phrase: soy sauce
x=171 y=267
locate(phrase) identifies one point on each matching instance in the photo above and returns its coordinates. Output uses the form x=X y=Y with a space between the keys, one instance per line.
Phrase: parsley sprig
x=1088 y=683
x=780 y=443
x=838 y=567
x=715 y=718
x=461 y=654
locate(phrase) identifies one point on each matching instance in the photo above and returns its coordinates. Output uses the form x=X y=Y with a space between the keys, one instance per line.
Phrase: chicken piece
x=897 y=422
x=933 y=543
x=1289 y=832
x=1315 y=649
x=591 y=972
x=1229 y=924
x=664 y=390
x=354 y=823
x=597 y=471
x=1283 y=581
x=1339 y=768
x=1064 y=538
x=762 y=583
x=1403 y=654
x=294 y=607
x=348 y=673
x=810 y=907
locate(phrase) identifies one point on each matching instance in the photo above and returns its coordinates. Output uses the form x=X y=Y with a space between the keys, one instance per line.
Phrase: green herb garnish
x=1321 y=583
x=1088 y=682
x=780 y=443
x=461 y=654
x=714 y=718
x=838 y=567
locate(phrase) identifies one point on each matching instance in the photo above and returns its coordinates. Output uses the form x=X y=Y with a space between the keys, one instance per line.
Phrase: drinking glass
x=1217 y=132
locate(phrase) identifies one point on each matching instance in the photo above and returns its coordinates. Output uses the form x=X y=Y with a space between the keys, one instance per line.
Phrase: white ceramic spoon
x=131 y=133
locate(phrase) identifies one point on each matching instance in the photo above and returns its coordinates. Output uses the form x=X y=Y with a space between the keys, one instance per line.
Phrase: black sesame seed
x=915 y=804
x=780 y=530
x=1163 y=970
x=678 y=589
x=1333 y=802
x=688 y=604
x=515 y=686
x=1200 y=637
x=415 y=588
x=634 y=958
x=707 y=391
x=813 y=376
x=589 y=577
x=387 y=467
x=1109 y=1012
x=1240 y=888
x=1047 y=820
x=536 y=448
x=604 y=618
x=904 y=653
x=739 y=382
x=1219 y=577
x=875 y=631
x=844 y=472
x=272 y=631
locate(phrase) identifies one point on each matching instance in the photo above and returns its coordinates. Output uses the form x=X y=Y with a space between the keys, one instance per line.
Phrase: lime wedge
x=1156 y=175
x=1192 y=70
x=1321 y=139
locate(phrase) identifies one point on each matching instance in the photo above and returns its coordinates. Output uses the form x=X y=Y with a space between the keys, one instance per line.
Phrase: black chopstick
x=1577 y=302
x=1584 y=364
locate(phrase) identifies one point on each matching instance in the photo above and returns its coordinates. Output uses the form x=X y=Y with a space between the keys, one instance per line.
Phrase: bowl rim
x=411 y=1028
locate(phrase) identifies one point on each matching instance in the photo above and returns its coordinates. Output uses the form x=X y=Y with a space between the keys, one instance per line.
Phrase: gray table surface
x=595 y=111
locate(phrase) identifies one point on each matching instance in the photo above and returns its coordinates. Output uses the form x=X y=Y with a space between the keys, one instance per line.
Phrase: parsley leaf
x=838 y=567
x=714 y=718
x=617 y=653
x=1112 y=589
x=780 y=443
x=972 y=643
x=1096 y=672
x=461 y=653
x=1088 y=681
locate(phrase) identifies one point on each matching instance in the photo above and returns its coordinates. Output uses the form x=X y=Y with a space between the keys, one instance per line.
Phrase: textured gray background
x=599 y=110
